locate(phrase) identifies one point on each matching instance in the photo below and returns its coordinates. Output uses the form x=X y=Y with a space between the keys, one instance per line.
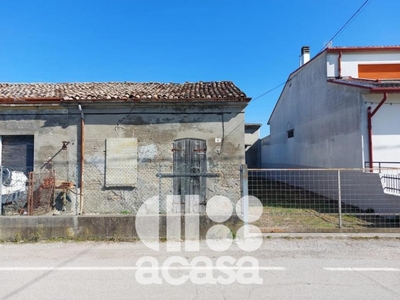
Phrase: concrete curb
x=123 y=228
x=360 y=235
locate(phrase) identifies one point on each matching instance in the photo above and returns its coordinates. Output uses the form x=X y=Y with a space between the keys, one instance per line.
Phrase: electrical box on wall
x=218 y=140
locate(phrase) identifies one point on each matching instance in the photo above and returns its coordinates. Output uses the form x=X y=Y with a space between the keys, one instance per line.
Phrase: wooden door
x=190 y=166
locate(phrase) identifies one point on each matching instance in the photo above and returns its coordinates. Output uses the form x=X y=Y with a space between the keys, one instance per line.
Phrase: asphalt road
x=289 y=268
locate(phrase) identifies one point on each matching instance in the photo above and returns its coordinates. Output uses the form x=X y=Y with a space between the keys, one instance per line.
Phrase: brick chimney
x=305 y=55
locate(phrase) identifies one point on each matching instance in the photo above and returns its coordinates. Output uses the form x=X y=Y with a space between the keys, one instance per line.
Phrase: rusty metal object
x=40 y=193
x=30 y=193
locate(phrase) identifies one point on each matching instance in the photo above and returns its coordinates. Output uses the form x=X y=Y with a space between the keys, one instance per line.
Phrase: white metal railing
x=390 y=183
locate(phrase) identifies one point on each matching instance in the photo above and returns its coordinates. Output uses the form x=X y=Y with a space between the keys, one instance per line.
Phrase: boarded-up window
x=190 y=166
x=17 y=152
x=379 y=71
x=121 y=162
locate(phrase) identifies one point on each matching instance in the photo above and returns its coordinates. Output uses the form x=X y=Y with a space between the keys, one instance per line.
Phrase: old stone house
x=117 y=144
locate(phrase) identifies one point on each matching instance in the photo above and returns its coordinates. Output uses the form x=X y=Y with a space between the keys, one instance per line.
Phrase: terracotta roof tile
x=150 y=91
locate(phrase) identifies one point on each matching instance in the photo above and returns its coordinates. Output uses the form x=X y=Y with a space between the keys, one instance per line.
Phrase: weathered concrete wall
x=253 y=155
x=253 y=145
x=265 y=145
x=49 y=126
x=114 y=227
x=154 y=126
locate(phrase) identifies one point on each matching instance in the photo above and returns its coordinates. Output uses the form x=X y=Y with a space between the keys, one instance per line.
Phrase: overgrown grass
x=305 y=218
x=287 y=206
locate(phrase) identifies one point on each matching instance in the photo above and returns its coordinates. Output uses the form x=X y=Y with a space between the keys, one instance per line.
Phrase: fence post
x=76 y=200
x=245 y=197
x=159 y=189
x=339 y=200
x=31 y=185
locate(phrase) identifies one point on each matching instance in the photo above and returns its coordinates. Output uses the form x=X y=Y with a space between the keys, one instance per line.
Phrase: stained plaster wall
x=154 y=126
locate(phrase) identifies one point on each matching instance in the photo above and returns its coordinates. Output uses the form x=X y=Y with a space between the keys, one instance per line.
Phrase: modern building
x=341 y=109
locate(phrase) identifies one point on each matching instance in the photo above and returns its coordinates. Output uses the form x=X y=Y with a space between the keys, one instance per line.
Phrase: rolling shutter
x=379 y=71
x=18 y=152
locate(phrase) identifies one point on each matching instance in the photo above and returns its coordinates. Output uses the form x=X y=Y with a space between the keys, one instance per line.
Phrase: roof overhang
x=363 y=49
x=374 y=86
x=61 y=101
x=253 y=126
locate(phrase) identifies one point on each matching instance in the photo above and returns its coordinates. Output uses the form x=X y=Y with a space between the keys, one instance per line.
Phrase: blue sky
x=254 y=43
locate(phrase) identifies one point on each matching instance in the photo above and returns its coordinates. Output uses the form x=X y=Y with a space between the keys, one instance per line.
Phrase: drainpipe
x=370 y=159
x=340 y=65
x=370 y=115
x=82 y=148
